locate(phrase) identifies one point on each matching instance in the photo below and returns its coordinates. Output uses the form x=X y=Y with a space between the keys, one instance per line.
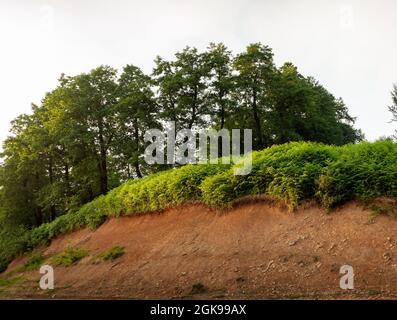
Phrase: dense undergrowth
x=291 y=172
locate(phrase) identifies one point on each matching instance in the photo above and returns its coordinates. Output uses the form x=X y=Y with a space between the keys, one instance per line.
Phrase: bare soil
x=253 y=251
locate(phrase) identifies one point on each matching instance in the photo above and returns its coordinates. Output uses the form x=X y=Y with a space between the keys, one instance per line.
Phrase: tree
x=86 y=136
x=302 y=109
x=137 y=112
x=218 y=61
x=91 y=105
x=23 y=174
x=256 y=71
x=182 y=88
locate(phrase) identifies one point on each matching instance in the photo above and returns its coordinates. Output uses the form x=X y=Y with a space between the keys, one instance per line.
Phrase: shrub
x=363 y=171
x=69 y=257
x=288 y=172
x=112 y=253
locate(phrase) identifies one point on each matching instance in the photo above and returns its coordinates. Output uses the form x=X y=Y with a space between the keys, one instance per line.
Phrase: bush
x=112 y=253
x=288 y=172
x=363 y=171
x=69 y=257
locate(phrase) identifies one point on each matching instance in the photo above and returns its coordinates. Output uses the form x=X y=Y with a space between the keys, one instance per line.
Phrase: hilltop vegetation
x=86 y=137
x=292 y=173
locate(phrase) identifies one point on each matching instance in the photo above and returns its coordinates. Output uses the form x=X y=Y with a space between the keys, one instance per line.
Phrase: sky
x=348 y=46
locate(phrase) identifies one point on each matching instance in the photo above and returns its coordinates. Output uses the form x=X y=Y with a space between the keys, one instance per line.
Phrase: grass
x=290 y=173
x=112 y=253
x=35 y=261
x=6 y=283
x=69 y=257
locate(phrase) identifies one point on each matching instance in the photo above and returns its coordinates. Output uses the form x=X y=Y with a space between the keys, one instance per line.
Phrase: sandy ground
x=253 y=251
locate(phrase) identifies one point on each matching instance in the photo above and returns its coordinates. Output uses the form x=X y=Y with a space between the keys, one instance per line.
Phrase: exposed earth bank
x=253 y=251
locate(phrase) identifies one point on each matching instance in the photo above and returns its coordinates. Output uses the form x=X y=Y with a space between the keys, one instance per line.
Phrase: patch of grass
x=6 y=283
x=69 y=257
x=35 y=261
x=112 y=253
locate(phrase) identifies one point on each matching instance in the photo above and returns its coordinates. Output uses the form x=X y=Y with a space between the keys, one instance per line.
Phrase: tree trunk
x=67 y=183
x=194 y=109
x=103 y=170
x=256 y=119
x=51 y=176
x=136 y=137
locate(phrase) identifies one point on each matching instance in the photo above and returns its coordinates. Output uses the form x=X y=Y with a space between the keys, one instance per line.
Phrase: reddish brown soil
x=255 y=250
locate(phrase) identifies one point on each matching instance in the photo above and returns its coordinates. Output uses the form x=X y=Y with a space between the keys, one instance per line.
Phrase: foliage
x=76 y=159
x=87 y=135
x=34 y=262
x=291 y=172
x=362 y=171
x=9 y=282
x=112 y=253
x=288 y=172
x=13 y=240
x=69 y=257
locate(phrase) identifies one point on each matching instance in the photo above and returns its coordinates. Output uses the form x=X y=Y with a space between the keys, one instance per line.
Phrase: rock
x=268 y=266
x=333 y=245
x=301 y=264
x=386 y=256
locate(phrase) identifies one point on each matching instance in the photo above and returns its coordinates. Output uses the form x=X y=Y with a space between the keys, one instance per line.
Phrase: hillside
x=254 y=250
x=290 y=174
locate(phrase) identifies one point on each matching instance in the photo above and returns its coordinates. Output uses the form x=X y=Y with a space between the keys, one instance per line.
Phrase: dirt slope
x=252 y=251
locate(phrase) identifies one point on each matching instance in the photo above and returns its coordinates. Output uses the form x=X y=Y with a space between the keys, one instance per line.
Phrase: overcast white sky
x=349 y=46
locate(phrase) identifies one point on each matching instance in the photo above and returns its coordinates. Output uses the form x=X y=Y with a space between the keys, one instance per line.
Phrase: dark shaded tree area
x=86 y=136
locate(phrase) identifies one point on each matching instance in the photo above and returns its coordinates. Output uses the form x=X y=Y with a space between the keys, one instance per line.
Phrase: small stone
x=333 y=245
x=268 y=266
x=387 y=256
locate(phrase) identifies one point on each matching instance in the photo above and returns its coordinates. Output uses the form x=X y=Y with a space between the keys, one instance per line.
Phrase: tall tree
x=302 y=109
x=92 y=103
x=256 y=70
x=136 y=112
x=218 y=60
x=182 y=88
